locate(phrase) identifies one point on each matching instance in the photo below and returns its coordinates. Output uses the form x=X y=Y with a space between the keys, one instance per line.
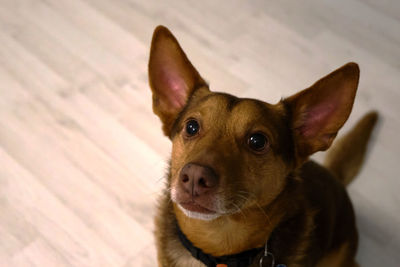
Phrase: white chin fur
x=199 y=215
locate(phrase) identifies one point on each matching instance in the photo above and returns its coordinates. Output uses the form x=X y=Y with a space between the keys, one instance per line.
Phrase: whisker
x=160 y=179
x=263 y=211
x=253 y=197
x=239 y=210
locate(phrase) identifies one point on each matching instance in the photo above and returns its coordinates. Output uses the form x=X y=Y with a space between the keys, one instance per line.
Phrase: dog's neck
x=231 y=234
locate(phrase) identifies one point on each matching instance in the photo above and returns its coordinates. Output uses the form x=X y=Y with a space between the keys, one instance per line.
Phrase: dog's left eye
x=258 y=142
x=192 y=127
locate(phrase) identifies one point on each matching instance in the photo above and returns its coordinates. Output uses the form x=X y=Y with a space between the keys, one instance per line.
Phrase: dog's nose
x=197 y=179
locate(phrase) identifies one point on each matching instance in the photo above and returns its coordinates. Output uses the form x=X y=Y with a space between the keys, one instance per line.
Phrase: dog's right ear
x=172 y=77
x=319 y=111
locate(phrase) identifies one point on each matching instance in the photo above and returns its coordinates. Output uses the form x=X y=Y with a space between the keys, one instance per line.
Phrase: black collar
x=242 y=259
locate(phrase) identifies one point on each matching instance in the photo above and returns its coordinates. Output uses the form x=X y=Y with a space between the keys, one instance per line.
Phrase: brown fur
x=276 y=194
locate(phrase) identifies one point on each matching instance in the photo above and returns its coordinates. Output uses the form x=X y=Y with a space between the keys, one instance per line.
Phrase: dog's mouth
x=195 y=207
x=207 y=207
x=197 y=211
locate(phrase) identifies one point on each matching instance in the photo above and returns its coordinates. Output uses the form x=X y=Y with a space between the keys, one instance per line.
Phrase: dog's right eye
x=192 y=127
x=258 y=142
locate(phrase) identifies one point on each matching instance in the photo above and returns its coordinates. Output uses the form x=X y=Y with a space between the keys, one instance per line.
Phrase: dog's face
x=228 y=154
x=231 y=154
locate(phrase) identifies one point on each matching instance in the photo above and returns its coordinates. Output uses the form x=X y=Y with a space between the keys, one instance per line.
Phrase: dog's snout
x=197 y=179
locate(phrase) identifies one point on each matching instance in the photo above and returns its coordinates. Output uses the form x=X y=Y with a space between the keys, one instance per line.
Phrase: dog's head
x=230 y=153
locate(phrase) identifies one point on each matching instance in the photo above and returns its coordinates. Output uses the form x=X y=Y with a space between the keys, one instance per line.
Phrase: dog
x=241 y=190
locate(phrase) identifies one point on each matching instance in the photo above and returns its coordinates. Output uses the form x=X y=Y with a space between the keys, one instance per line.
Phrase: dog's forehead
x=229 y=107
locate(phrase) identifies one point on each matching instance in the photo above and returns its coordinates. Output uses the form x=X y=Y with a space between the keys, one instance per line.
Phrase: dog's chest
x=181 y=256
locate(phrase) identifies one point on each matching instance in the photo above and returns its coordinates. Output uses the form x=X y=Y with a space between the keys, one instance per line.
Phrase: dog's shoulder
x=320 y=185
x=326 y=195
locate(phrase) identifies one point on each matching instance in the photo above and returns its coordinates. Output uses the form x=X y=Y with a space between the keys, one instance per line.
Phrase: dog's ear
x=172 y=77
x=318 y=112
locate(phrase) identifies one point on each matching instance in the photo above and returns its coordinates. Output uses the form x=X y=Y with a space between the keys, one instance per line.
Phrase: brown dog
x=240 y=189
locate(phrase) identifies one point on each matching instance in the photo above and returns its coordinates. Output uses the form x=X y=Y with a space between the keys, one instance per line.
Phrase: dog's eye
x=257 y=142
x=192 y=127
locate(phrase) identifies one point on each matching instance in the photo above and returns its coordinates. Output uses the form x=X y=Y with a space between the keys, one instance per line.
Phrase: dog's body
x=239 y=175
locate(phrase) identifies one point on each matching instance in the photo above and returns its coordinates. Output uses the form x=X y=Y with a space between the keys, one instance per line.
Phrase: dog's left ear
x=318 y=112
x=172 y=77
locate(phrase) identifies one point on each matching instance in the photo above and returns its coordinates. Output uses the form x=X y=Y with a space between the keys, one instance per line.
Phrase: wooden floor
x=82 y=156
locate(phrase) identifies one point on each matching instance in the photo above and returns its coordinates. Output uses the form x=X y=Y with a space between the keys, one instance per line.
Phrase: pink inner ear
x=316 y=118
x=175 y=90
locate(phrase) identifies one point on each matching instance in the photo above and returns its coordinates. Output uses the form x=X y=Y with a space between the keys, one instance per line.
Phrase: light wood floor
x=82 y=156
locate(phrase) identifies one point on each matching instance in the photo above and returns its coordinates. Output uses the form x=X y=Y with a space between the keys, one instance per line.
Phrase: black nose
x=197 y=180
